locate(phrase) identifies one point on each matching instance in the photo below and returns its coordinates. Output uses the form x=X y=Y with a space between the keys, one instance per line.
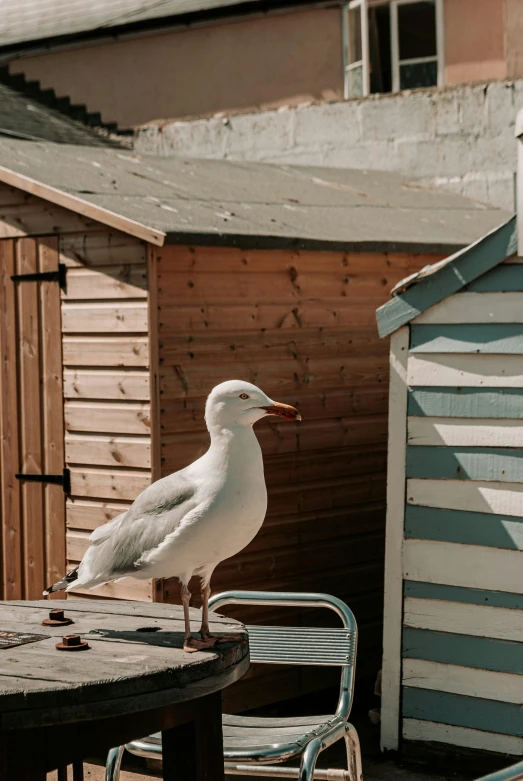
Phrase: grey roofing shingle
x=29 y=20
x=258 y=204
x=23 y=117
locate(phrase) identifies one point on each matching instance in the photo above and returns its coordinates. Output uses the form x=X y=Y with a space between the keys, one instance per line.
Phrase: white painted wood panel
x=416 y=729
x=472 y=566
x=392 y=630
x=476 y=308
x=464 y=619
x=468 y=681
x=469 y=371
x=483 y=496
x=466 y=432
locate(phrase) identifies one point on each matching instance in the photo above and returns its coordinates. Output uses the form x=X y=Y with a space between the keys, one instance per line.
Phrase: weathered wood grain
x=122 y=281
x=464 y=619
x=89 y=514
x=470 y=682
x=470 y=495
x=104 y=450
x=104 y=317
x=35 y=217
x=119 y=384
x=490 y=338
x=105 y=350
x=417 y=729
x=466 y=432
x=101 y=248
x=106 y=417
x=108 y=483
x=471 y=528
x=475 y=308
x=471 y=371
x=461 y=402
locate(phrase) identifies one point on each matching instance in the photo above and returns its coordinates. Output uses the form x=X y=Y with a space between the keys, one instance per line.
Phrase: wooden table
x=58 y=707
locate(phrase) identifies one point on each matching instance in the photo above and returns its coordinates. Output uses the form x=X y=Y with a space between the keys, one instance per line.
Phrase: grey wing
x=117 y=546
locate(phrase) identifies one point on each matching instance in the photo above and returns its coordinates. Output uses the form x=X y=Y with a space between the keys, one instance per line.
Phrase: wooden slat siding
x=472 y=566
x=472 y=496
x=52 y=413
x=106 y=386
x=36 y=217
x=104 y=317
x=12 y=535
x=129 y=351
x=463 y=267
x=107 y=418
x=154 y=373
x=490 y=338
x=391 y=665
x=114 y=282
x=103 y=450
x=472 y=596
x=89 y=514
x=465 y=432
x=484 y=653
x=416 y=729
x=472 y=371
x=124 y=385
x=464 y=619
x=475 y=308
x=459 y=402
x=465 y=463
x=505 y=277
x=462 y=711
x=301 y=326
x=102 y=248
x=470 y=682
x=469 y=528
x=31 y=461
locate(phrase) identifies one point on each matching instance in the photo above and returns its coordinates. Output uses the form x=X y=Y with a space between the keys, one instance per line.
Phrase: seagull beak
x=283 y=411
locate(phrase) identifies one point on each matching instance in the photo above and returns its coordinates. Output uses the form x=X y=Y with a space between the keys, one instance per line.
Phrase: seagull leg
x=190 y=643
x=204 y=629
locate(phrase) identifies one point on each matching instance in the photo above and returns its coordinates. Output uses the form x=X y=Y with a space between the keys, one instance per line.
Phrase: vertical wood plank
x=391 y=670
x=154 y=384
x=209 y=738
x=31 y=421
x=52 y=409
x=9 y=456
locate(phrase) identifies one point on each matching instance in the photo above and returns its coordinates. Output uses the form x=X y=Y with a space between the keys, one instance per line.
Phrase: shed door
x=31 y=418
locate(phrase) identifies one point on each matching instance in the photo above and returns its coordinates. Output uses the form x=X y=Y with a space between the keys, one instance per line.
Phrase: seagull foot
x=191 y=644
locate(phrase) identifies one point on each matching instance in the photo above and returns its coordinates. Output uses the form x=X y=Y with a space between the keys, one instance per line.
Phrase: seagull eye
x=244 y=395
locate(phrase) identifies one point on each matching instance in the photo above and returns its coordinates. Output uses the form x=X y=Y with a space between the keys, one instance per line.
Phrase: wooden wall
x=106 y=387
x=302 y=327
x=461 y=529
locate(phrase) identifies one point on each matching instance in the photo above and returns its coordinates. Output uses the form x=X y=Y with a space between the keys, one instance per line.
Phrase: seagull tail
x=66 y=582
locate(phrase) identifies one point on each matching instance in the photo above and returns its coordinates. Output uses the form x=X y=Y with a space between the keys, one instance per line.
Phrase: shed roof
x=23 y=117
x=423 y=290
x=246 y=204
x=39 y=20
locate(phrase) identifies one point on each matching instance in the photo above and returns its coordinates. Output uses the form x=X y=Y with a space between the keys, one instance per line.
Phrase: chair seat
x=255 y=739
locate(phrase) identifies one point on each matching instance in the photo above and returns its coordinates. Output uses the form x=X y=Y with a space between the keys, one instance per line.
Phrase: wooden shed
x=453 y=629
x=131 y=286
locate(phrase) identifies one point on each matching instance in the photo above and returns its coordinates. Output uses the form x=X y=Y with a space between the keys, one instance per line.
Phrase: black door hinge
x=64 y=479
x=44 y=276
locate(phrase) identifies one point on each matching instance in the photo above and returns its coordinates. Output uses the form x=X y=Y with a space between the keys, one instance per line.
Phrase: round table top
x=125 y=670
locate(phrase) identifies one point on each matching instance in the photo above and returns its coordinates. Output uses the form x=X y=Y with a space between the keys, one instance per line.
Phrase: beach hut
x=132 y=285
x=453 y=629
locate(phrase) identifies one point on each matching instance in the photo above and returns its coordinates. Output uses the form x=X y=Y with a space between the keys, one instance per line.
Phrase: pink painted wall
x=283 y=58
x=474 y=40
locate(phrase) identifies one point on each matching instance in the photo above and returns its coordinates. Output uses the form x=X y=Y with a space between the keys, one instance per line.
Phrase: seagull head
x=239 y=403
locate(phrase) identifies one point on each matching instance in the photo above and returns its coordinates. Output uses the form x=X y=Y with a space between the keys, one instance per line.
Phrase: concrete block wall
x=460 y=138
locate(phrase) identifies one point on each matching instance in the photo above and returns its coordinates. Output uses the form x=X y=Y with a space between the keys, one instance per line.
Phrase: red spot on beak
x=283 y=411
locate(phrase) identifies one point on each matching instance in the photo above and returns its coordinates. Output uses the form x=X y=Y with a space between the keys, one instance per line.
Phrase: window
x=391 y=46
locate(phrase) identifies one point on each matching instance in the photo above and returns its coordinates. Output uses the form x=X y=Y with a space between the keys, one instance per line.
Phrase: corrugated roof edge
x=78 y=205
x=433 y=284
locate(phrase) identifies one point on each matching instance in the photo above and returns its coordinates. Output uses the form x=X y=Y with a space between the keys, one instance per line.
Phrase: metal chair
x=256 y=746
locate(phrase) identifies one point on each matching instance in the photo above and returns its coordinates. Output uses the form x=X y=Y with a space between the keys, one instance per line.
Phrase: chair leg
x=113 y=763
x=308 y=760
x=352 y=743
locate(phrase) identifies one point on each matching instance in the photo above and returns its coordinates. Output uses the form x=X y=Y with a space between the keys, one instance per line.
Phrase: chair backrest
x=298 y=645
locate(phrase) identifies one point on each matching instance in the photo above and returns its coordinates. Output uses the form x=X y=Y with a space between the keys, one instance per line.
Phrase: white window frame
x=364 y=62
x=439 y=57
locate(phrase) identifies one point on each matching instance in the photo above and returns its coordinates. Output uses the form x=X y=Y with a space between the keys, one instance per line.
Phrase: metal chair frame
x=292 y=646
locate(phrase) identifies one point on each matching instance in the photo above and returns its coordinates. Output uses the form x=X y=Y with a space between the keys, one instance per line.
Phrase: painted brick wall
x=461 y=138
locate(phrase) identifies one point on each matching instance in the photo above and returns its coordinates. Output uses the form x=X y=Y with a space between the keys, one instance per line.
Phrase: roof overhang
x=80 y=206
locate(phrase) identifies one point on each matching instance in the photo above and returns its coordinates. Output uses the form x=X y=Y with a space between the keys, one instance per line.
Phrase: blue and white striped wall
x=453 y=641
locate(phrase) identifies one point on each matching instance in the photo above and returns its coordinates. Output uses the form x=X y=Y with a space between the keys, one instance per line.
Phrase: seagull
x=187 y=523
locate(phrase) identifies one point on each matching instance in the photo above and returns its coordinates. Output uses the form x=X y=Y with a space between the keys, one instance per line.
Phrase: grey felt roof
x=27 y=20
x=257 y=204
x=23 y=117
